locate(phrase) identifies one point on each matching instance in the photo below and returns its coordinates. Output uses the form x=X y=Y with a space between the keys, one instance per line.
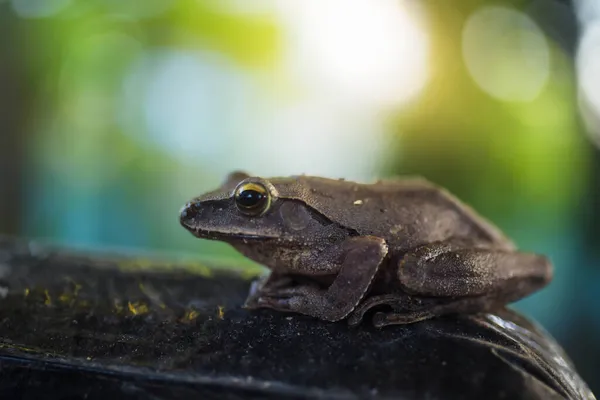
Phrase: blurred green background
x=115 y=112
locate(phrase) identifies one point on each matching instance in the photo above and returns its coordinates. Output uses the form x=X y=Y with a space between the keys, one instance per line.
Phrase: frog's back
x=406 y=212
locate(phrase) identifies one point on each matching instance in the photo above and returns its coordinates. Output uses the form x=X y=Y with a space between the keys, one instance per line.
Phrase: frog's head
x=252 y=208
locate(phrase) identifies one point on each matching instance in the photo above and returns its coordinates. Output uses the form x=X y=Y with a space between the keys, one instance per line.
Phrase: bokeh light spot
x=588 y=70
x=186 y=103
x=313 y=137
x=588 y=11
x=506 y=53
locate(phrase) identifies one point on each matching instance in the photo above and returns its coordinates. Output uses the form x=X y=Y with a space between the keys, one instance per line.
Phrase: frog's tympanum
x=336 y=249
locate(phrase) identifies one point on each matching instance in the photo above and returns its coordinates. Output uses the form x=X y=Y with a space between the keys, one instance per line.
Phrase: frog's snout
x=188 y=215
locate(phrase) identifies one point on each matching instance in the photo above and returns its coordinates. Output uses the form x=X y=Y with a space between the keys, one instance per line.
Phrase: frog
x=403 y=247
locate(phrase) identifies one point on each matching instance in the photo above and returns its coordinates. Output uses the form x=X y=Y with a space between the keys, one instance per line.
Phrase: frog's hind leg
x=456 y=279
x=445 y=269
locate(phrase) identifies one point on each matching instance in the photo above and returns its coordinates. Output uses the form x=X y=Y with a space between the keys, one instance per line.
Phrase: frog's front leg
x=466 y=279
x=358 y=260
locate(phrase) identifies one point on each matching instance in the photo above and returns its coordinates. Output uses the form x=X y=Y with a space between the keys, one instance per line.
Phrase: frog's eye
x=252 y=199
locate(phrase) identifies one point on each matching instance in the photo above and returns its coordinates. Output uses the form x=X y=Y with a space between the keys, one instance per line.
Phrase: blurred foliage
x=502 y=157
x=97 y=184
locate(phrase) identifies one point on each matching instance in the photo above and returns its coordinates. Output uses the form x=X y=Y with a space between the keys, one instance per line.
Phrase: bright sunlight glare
x=373 y=53
x=588 y=66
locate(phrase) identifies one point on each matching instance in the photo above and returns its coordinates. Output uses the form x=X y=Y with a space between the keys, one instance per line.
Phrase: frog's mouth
x=215 y=235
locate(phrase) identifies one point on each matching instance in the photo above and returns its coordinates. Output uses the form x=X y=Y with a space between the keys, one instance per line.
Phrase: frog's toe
x=294 y=303
x=286 y=292
x=251 y=302
x=381 y=319
x=276 y=303
x=355 y=318
x=255 y=288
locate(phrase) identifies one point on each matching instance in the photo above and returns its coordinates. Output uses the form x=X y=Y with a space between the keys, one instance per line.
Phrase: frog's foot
x=307 y=299
x=253 y=295
x=381 y=319
x=265 y=284
x=405 y=309
x=447 y=306
x=271 y=302
x=359 y=312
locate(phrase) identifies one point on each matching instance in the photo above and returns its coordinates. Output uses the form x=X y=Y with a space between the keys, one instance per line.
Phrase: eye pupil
x=250 y=198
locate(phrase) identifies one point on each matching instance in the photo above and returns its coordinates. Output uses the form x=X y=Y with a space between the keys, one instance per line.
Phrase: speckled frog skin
x=336 y=249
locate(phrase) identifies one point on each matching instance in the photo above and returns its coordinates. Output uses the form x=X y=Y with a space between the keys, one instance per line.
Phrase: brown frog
x=336 y=248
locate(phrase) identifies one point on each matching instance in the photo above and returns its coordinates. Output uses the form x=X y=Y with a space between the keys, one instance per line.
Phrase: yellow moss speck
x=64 y=297
x=26 y=292
x=190 y=315
x=76 y=286
x=220 y=312
x=47 y=300
x=22 y=348
x=76 y=289
x=137 y=308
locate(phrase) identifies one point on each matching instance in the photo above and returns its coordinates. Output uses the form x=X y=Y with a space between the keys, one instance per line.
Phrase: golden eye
x=252 y=199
